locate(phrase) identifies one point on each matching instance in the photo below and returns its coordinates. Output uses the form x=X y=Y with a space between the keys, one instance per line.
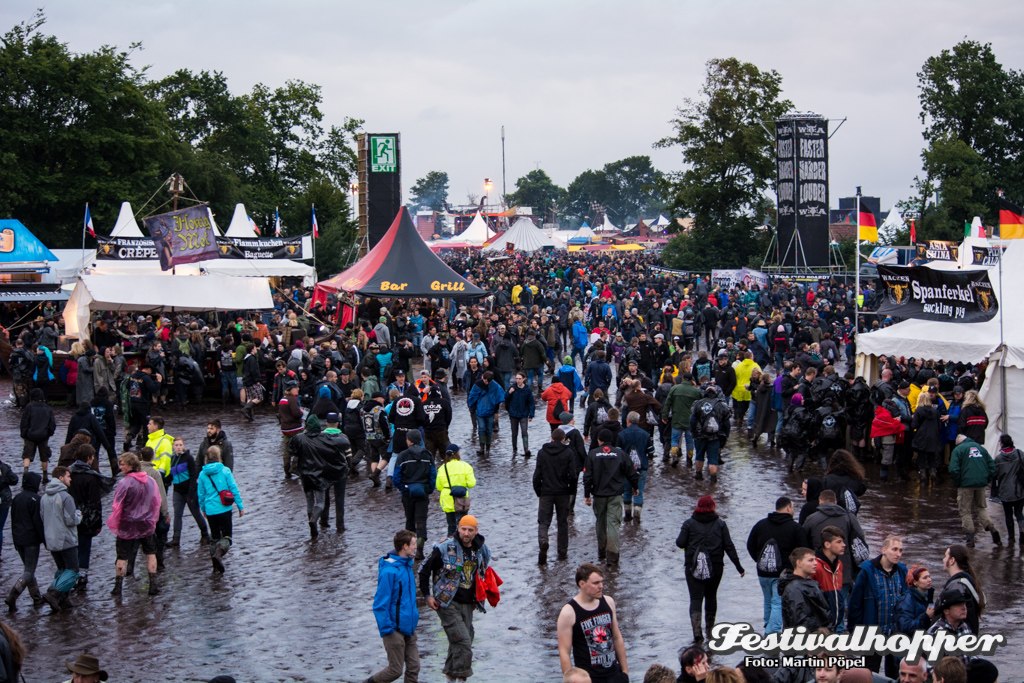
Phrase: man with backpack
x=639 y=446
x=415 y=476
x=676 y=410
x=769 y=544
x=829 y=514
x=710 y=421
x=37 y=426
x=605 y=473
x=228 y=373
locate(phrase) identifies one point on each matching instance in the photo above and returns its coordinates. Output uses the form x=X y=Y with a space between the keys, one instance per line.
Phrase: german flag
x=866 y=227
x=1011 y=220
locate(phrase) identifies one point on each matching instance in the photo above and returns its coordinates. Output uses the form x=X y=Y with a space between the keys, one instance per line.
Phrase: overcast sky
x=576 y=84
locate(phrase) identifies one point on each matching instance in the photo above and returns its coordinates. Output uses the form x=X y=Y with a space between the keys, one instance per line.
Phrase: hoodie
x=555 y=472
x=787 y=534
x=394 y=604
x=830 y=514
x=60 y=518
x=829 y=576
x=26 y=519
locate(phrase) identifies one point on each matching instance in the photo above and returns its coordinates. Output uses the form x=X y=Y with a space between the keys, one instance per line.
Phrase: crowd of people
x=652 y=358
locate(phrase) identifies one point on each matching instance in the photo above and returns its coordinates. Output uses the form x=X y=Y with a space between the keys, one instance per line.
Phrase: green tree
x=74 y=128
x=730 y=164
x=587 y=188
x=637 y=187
x=430 y=191
x=537 y=190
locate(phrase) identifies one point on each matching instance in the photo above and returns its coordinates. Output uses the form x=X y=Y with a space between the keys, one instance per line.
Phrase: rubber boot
x=628 y=507
x=218 y=558
x=375 y=478
x=387 y=484
x=883 y=473
x=153 y=590
x=52 y=598
x=204 y=540
x=247 y=411
x=420 y=542
x=33 y=590
x=699 y=474
x=542 y=557
x=636 y=513
x=714 y=478
x=12 y=598
x=173 y=543
x=313 y=531
x=698 y=635
x=65 y=601
x=613 y=559
x=689 y=458
x=83 y=579
x=995 y=536
x=601 y=553
x=970 y=540
x=675 y=454
x=1021 y=539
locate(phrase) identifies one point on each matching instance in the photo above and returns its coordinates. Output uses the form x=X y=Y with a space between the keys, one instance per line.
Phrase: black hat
x=605 y=436
x=950 y=598
x=332 y=418
x=399 y=371
x=904 y=384
x=565 y=417
x=377 y=394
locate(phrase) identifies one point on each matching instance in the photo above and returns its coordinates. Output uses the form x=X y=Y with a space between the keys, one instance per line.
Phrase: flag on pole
x=913 y=233
x=867 y=229
x=277 y=223
x=255 y=228
x=974 y=228
x=1011 y=220
x=88 y=222
x=316 y=228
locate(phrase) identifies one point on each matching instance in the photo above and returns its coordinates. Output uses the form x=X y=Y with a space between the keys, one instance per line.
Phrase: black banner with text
x=255 y=248
x=960 y=296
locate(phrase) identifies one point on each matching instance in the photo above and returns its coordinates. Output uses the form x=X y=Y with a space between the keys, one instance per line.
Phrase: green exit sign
x=383 y=154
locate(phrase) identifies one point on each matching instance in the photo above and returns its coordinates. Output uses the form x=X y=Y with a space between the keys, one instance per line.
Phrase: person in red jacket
x=891 y=431
x=553 y=394
x=828 y=572
x=289 y=413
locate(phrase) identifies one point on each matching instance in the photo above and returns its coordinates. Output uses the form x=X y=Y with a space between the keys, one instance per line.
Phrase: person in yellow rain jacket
x=458 y=476
x=162 y=444
x=741 y=394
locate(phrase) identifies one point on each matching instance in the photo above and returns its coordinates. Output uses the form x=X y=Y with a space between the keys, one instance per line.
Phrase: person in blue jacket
x=569 y=377
x=876 y=592
x=521 y=406
x=394 y=607
x=915 y=610
x=580 y=340
x=218 y=495
x=484 y=399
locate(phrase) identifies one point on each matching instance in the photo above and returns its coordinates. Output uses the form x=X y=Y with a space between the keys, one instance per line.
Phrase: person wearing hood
x=133 y=518
x=338 y=453
x=710 y=423
x=467 y=557
x=317 y=467
x=184 y=474
x=831 y=514
x=803 y=603
x=1009 y=485
x=85 y=386
x=218 y=496
x=705 y=539
x=555 y=477
x=415 y=477
x=484 y=399
x=37 y=426
x=878 y=588
x=103 y=410
x=769 y=544
x=27 y=533
x=83 y=419
x=570 y=380
x=86 y=488
x=60 y=522
x=351 y=421
x=438 y=411
x=394 y=608
x=810 y=490
x=454 y=480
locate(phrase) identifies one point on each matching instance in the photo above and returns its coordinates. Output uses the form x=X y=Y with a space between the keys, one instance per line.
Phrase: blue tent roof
x=18 y=245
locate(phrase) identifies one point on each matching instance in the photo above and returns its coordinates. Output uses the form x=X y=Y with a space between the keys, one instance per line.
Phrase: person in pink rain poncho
x=133 y=519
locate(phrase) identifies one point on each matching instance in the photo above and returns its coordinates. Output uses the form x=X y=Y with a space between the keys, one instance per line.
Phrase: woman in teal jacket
x=215 y=484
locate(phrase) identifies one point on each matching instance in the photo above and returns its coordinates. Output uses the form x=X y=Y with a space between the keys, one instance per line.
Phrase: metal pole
x=313 y=240
x=83 y=237
x=1002 y=349
x=503 y=193
x=856 y=293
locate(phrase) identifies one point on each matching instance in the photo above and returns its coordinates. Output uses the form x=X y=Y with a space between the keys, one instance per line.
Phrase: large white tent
x=969 y=343
x=477 y=233
x=126 y=225
x=240 y=225
x=586 y=233
x=606 y=226
x=525 y=236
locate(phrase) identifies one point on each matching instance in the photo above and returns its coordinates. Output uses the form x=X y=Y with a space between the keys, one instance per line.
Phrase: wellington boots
x=613 y=559
x=970 y=540
x=636 y=513
x=218 y=558
x=12 y=598
x=628 y=507
x=173 y=543
x=375 y=478
x=387 y=484
x=714 y=478
x=699 y=474
x=52 y=598
x=542 y=556
x=675 y=455
x=689 y=458
x=668 y=453
x=33 y=590
x=698 y=635
x=314 y=533
x=153 y=590
x=65 y=601
x=995 y=536
x=420 y=542
x=247 y=411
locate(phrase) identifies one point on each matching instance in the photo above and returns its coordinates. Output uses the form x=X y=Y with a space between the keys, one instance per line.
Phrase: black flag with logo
x=959 y=296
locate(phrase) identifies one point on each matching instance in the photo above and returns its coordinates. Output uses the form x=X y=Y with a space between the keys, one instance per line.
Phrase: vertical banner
x=183 y=236
x=383 y=183
x=802 y=190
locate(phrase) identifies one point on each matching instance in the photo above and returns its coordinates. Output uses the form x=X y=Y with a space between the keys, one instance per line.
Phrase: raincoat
x=136 y=507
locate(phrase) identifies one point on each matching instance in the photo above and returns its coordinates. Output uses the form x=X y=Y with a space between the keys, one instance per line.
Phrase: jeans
x=180 y=501
x=535 y=372
x=559 y=506
x=638 y=499
x=707 y=448
x=339 y=505
x=608 y=511
x=772 y=604
x=520 y=424
x=677 y=435
x=485 y=429
x=578 y=352
x=504 y=378
x=402 y=653
x=778 y=362
x=416 y=514
x=751 y=412
x=228 y=386
x=84 y=548
x=457 y=620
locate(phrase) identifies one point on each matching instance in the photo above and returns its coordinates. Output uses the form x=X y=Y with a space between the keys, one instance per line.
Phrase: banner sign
x=672 y=271
x=936 y=250
x=987 y=256
x=962 y=296
x=256 y=248
x=801 y=152
x=183 y=236
x=745 y=276
x=380 y=183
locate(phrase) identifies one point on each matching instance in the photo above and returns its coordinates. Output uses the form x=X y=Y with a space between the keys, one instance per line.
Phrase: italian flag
x=974 y=228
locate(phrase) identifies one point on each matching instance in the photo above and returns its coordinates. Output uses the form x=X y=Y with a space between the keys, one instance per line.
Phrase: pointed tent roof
x=126 y=225
x=404 y=261
x=585 y=231
x=606 y=226
x=240 y=225
x=661 y=222
x=20 y=245
x=478 y=231
x=524 y=235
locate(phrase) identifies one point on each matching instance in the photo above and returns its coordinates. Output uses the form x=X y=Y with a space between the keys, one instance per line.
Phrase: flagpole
x=856 y=293
x=313 y=240
x=83 y=234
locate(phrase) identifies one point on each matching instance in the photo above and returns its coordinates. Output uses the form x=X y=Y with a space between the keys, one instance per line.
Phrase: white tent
x=126 y=226
x=968 y=343
x=240 y=225
x=661 y=222
x=157 y=294
x=586 y=232
x=477 y=233
x=525 y=236
x=606 y=226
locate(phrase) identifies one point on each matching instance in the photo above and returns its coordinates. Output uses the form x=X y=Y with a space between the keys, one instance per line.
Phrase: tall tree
x=585 y=190
x=431 y=191
x=537 y=190
x=637 y=187
x=730 y=164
